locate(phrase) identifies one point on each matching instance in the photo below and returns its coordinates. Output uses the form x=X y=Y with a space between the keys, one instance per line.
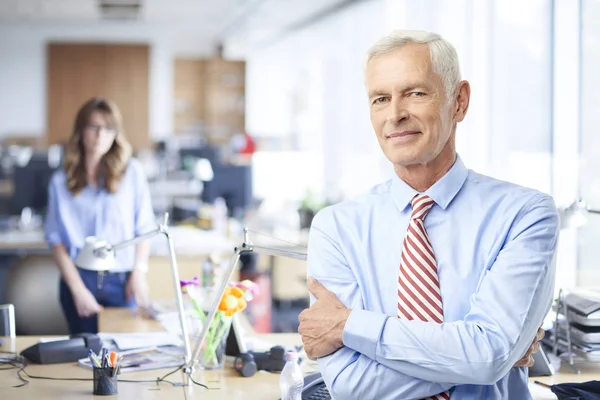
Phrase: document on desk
x=539 y=392
x=140 y=340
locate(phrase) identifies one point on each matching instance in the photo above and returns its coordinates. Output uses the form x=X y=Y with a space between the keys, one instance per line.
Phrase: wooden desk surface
x=225 y=384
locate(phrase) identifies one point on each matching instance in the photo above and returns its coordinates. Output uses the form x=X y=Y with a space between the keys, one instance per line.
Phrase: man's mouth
x=400 y=134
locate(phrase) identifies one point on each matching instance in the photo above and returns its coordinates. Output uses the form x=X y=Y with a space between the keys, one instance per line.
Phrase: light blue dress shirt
x=113 y=217
x=494 y=244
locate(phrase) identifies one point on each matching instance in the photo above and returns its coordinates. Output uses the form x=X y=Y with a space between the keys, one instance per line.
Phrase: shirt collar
x=442 y=192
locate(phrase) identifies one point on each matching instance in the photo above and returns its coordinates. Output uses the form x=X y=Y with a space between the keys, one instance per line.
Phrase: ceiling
x=252 y=21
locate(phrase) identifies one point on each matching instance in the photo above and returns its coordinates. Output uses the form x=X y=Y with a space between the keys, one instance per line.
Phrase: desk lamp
x=98 y=255
x=246 y=247
x=574 y=216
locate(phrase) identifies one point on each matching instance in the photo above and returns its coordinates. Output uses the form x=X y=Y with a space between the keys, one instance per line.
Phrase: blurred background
x=253 y=113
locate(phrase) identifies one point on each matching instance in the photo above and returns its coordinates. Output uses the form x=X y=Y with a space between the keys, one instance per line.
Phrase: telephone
x=314 y=388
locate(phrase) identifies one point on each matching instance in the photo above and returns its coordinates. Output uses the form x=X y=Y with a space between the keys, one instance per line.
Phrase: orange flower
x=232 y=301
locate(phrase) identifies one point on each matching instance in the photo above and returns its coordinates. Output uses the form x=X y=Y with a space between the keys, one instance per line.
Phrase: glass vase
x=212 y=355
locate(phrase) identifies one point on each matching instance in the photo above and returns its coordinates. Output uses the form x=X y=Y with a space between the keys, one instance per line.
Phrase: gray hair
x=444 y=58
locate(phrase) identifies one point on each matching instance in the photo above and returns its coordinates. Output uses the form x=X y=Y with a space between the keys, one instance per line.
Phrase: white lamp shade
x=573 y=216
x=91 y=259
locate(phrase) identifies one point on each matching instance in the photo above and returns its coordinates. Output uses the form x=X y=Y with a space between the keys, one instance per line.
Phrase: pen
x=104 y=353
x=94 y=359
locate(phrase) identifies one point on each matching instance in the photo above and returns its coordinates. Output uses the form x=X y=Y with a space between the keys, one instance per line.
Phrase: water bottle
x=291 y=381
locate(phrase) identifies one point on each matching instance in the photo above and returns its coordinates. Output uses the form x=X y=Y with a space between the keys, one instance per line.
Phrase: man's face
x=408 y=104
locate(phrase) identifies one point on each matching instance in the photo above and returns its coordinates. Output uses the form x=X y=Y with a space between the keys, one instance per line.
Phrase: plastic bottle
x=291 y=381
x=220 y=216
x=208 y=273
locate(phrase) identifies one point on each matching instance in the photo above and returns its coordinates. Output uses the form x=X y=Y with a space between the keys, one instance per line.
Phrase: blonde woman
x=101 y=191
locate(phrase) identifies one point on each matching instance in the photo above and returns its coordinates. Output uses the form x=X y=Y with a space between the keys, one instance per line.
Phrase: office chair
x=7 y=320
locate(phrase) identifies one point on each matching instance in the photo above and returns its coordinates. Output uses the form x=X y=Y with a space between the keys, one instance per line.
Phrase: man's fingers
x=540 y=334
x=316 y=288
x=530 y=362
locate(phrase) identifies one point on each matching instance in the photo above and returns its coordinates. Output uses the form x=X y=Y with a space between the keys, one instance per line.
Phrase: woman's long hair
x=112 y=165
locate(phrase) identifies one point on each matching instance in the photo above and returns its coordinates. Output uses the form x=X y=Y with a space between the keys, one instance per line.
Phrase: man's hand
x=527 y=360
x=322 y=325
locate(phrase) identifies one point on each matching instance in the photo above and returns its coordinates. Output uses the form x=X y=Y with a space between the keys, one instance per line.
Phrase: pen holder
x=105 y=381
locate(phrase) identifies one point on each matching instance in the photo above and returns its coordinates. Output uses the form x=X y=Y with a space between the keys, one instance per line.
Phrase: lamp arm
x=214 y=307
x=246 y=247
x=275 y=252
x=136 y=239
x=592 y=211
x=162 y=229
x=179 y=298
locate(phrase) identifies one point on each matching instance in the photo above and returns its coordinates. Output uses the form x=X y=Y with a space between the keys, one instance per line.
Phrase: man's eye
x=380 y=100
x=418 y=94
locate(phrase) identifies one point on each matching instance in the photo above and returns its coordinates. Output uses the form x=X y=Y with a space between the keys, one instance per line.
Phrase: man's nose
x=397 y=111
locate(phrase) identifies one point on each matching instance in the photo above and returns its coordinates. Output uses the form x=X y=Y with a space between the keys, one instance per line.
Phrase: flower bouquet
x=234 y=299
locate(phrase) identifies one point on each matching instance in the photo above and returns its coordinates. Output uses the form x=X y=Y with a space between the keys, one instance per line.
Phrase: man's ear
x=461 y=104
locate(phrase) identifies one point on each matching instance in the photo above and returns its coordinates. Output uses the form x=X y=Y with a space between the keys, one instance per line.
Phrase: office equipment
x=96 y=253
x=245 y=365
x=7 y=320
x=576 y=331
x=31 y=184
x=272 y=360
x=210 y=153
x=233 y=183
x=315 y=388
x=105 y=381
x=60 y=351
x=575 y=215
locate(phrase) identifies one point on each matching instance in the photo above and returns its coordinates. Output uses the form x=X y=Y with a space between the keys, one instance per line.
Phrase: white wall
x=23 y=68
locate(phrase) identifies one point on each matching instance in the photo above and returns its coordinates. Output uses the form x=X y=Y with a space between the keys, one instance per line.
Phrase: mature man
x=434 y=284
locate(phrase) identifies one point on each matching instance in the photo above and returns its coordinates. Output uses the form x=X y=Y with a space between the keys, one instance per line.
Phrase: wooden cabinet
x=209 y=98
x=77 y=72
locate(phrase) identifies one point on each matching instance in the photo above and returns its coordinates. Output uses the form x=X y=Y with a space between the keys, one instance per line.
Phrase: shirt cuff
x=363 y=330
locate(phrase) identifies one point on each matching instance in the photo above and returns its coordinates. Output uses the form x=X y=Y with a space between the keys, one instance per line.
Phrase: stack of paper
x=130 y=341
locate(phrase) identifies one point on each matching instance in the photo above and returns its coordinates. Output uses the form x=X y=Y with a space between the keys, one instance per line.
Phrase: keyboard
x=319 y=392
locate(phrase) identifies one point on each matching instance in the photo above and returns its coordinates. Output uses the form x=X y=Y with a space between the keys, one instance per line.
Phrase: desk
x=225 y=384
x=230 y=385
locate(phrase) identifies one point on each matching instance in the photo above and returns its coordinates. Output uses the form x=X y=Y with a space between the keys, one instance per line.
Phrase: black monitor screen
x=231 y=182
x=30 y=185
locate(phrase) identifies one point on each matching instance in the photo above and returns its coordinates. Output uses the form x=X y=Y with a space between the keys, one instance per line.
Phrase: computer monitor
x=212 y=154
x=233 y=183
x=30 y=185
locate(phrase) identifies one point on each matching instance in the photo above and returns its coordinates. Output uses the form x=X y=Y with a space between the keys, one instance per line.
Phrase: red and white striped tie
x=419 y=296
